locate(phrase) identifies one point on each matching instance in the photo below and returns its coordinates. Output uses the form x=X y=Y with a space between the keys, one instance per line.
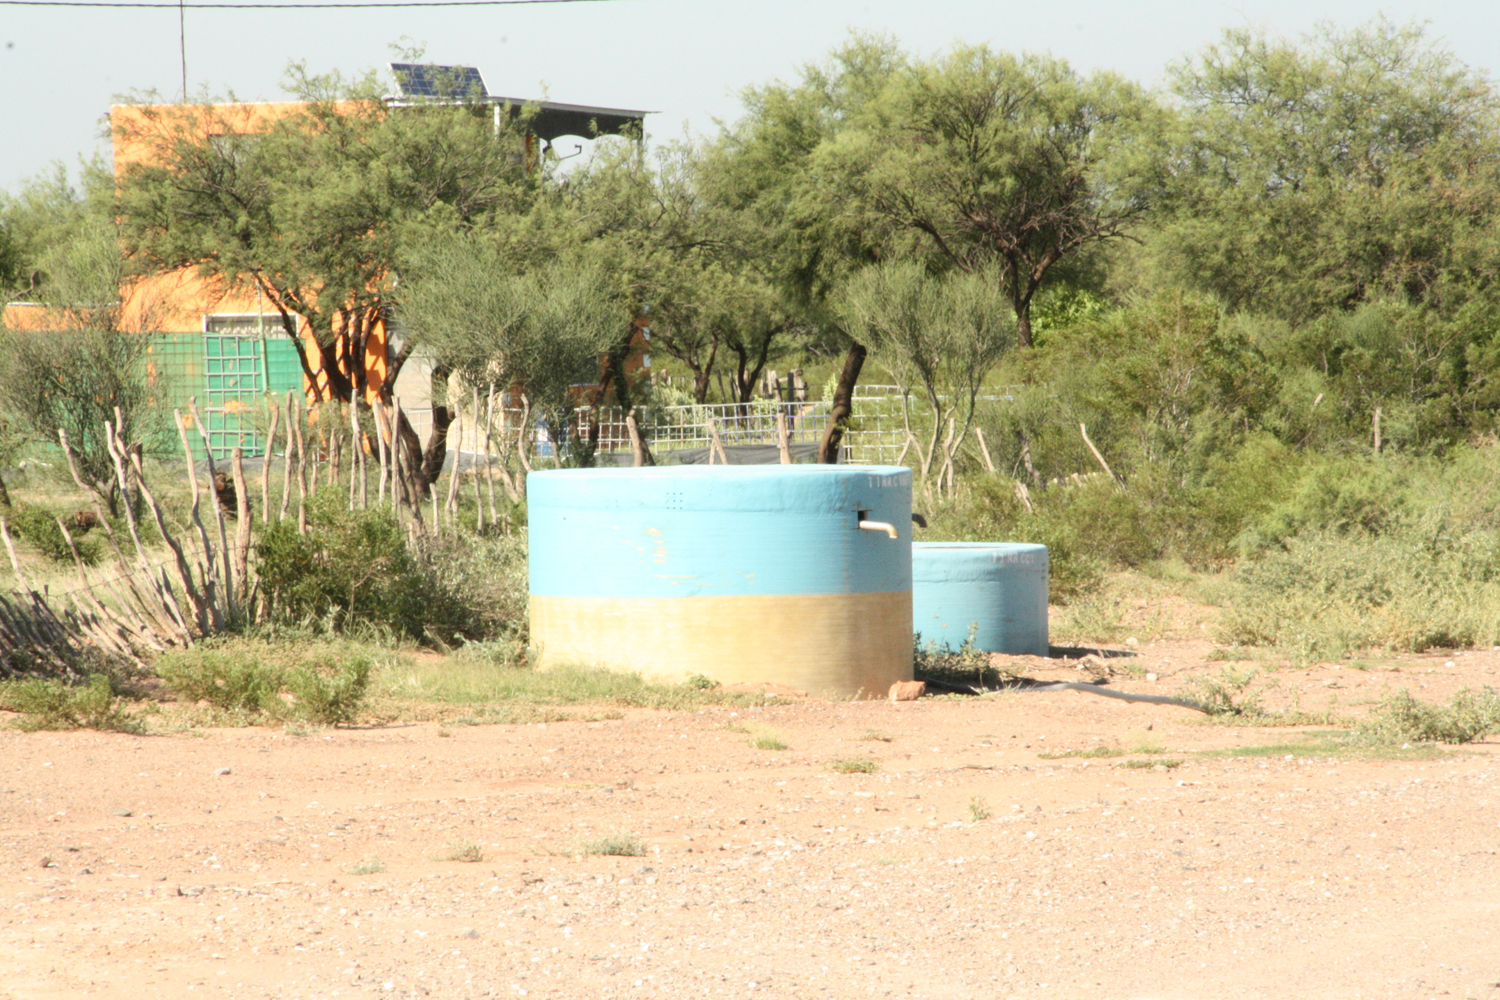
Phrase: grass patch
x=1413 y=582
x=1142 y=742
x=964 y=665
x=54 y=704
x=620 y=845
x=979 y=809
x=225 y=678
x=323 y=682
x=877 y=736
x=482 y=685
x=466 y=851
x=1145 y=765
x=254 y=680
x=1325 y=746
x=1229 y=692
x=1092 y=752
x=37 y=524
x=1096 y=618
x=371 y=866
x=855 y=765
x=768 y=741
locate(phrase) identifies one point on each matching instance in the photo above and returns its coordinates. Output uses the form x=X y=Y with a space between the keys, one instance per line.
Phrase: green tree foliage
x=940 y=334
x=701 y=274
x=1312 y=177
x=1007 y=165
x=71 y=364
x=1013 y=166
x=760 y=170
x=544 y=328
x=310 y=205
x=43 y=215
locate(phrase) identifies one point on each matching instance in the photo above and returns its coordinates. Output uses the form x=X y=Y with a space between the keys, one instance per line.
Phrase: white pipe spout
x=889 y=529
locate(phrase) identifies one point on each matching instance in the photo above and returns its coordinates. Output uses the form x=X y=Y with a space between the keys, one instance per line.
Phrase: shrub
x=1400 y=718
x=484 y=580
x=355 y=568
x=855 y=765
x=228 y=680
x=331 y=693
x=622 y=845
x=38 y=526
x=985 y=509
x=941 y=662
x=466 y=851
x=1345 y=494
x=1324 y=595
x=1227 y=694
x=54 y=704
x=328 y=681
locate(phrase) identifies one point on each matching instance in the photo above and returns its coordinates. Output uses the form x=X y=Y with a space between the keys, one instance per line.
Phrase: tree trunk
x=843 y=405
x=615 y=369
x=340 y=388
x=614 y=374
x=638 y=446
x=700 y=385
x=1020 y=299
x=1036 y=477
x=430 y=468
x=436 y=452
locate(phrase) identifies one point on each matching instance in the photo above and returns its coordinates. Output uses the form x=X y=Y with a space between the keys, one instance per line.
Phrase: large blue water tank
x=759 y=574
x=997 y=588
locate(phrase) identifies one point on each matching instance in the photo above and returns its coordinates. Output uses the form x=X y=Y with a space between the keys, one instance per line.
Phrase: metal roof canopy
x=551 y=120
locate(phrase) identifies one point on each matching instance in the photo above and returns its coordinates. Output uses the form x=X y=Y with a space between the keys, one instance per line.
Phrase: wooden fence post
x=783 y=447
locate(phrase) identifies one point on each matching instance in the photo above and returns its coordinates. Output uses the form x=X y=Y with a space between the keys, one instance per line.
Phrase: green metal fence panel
x=174 y=365
x=283 y=369
x=230 y=370
x=235 y=390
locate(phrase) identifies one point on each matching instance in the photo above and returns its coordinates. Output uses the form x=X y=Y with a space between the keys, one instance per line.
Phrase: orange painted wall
x=180 y=301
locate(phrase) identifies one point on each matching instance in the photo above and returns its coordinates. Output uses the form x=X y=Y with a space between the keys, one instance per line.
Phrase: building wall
x=184 y=301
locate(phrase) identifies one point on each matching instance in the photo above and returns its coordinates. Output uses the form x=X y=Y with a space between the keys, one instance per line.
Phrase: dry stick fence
x=204 y=584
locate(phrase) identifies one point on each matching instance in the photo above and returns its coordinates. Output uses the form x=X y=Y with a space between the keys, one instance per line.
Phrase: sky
x=61 y=67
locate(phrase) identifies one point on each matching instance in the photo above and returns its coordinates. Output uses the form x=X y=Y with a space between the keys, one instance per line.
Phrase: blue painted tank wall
x=684 y=531
x=1000 y=586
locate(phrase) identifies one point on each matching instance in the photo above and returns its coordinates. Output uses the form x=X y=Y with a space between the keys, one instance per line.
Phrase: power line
x=288 y=6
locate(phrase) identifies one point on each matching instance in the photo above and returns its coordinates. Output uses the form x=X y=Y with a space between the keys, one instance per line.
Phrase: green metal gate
x=240 y=367
x=234 y=376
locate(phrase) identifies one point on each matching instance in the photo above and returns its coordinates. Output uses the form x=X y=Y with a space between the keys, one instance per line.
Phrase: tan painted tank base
x=832 y=645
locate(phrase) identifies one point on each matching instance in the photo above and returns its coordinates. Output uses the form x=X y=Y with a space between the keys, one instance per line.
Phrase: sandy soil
x=251 y=863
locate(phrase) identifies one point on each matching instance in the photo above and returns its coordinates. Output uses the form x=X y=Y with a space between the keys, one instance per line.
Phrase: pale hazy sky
x=61 y=67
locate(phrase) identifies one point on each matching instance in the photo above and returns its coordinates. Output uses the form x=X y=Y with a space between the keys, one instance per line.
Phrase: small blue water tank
x=997 y=588
x=796 y=575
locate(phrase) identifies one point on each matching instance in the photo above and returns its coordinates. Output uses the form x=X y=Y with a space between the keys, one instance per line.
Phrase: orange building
x=231 y=346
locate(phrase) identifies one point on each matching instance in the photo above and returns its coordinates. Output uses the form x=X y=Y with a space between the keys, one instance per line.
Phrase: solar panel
x=426 y=80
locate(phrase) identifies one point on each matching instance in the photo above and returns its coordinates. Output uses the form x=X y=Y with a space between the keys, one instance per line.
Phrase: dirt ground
x=422 y=861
